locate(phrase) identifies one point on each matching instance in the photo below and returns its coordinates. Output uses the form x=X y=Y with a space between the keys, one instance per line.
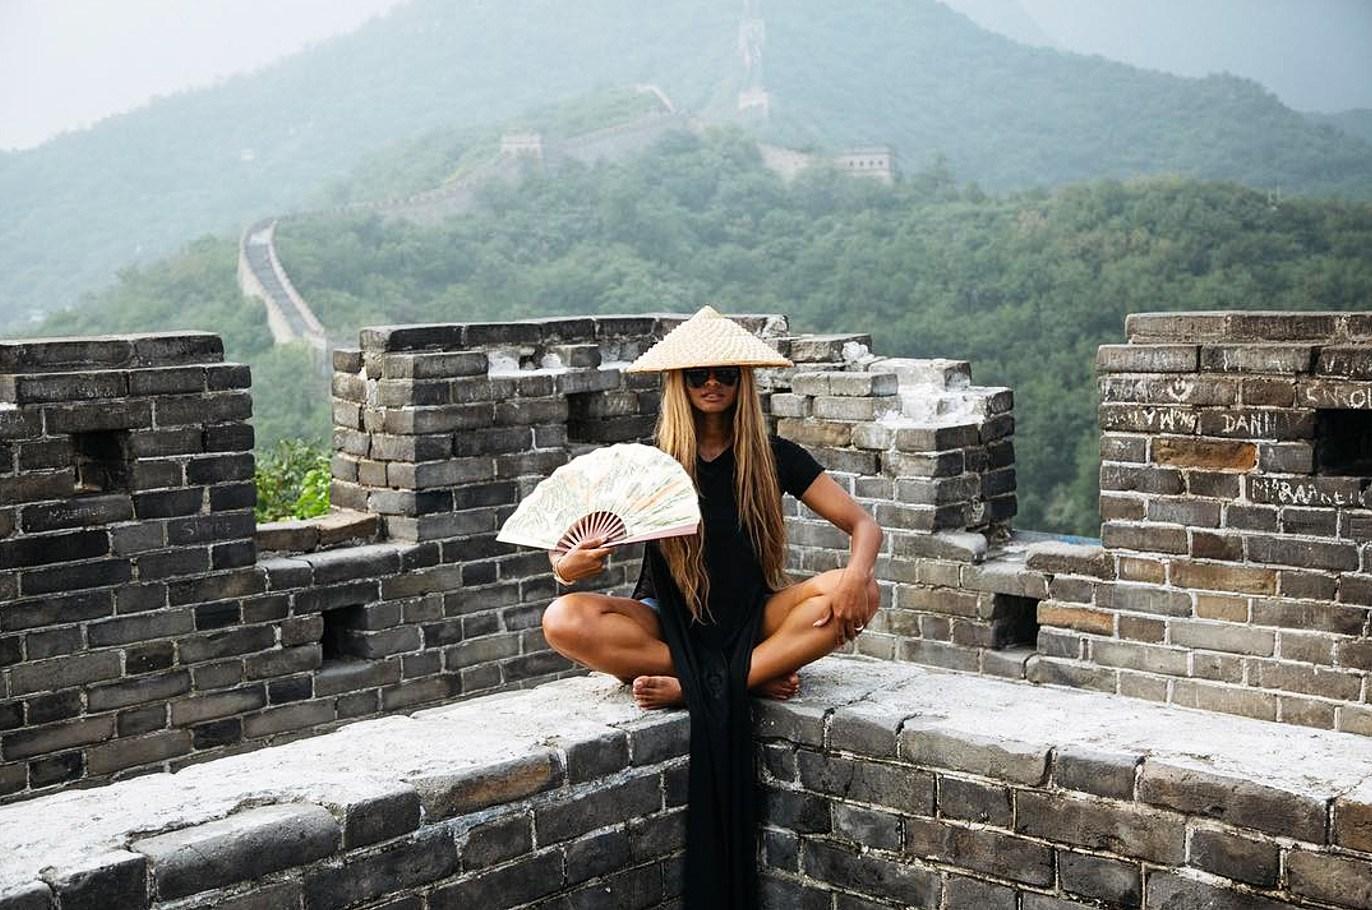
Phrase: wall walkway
x=887 y=785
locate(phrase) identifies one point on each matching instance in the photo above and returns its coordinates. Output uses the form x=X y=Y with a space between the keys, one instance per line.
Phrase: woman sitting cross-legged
x=714 y=615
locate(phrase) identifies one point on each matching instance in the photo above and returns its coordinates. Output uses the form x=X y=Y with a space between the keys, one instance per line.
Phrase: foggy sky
x=1315 y=55
x=64 y=64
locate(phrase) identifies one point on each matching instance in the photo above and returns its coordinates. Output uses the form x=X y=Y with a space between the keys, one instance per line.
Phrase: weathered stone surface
x=988 y=756
x=907 y=885
x=1233 y=800
x=31 y=896
x=1172 y=891
x=448 y=794
x=426 y=857
x=1122 y=830
x=99 y=881
x=241 y=847
x=1235 y=856
x=1342 y=880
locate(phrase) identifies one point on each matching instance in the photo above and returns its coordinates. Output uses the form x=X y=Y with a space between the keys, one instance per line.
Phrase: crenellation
x=148 y=624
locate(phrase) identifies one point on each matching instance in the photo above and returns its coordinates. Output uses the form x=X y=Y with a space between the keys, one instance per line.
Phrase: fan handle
x=606 y=525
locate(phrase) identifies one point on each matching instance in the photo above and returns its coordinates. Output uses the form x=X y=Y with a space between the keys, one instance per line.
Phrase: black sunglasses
x=698 y=376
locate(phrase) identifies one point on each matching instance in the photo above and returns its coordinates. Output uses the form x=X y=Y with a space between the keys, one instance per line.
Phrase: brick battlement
x=143 y=627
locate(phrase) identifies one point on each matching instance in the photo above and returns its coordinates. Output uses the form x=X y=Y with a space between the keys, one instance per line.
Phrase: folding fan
x=622 y=493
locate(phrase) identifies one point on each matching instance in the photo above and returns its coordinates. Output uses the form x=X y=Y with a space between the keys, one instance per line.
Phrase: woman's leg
x=790 y=638
x=615 y=635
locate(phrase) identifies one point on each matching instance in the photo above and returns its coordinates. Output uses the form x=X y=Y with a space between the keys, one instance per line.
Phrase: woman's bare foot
x=781 y=688
x=658 y=692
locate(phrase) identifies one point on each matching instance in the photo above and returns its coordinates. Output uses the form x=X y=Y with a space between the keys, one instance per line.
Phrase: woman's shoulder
x=781 y=446
x=796 y=468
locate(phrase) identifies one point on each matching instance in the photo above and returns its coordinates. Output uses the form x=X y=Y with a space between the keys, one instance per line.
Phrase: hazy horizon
x=66 y=66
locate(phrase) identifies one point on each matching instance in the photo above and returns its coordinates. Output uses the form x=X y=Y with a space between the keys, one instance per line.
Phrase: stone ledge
x=883 y=781
x=384 y=805
x=341 y=527
x=935 y=789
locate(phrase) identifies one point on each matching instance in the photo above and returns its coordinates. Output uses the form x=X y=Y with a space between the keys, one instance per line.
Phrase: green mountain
x=910 y=73
x=1356 y=122
x=1025 y=285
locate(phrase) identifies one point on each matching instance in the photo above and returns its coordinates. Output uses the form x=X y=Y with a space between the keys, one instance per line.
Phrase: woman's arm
x=851 y=607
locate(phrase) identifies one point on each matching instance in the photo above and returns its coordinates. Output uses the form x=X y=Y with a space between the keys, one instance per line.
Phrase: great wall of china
x=262 y=277
x=361 y=711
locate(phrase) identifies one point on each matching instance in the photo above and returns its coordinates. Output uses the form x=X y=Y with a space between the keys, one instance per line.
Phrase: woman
x=714 y=616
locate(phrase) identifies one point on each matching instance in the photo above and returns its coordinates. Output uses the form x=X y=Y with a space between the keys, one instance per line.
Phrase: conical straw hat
x=708 y=339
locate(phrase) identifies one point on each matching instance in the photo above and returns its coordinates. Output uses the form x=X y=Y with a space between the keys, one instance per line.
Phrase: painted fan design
x=624 y=493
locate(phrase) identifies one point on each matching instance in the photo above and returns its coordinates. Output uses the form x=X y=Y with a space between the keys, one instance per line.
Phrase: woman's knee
x=567 y=622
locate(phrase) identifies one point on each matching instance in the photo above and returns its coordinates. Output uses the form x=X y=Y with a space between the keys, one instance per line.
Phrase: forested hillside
x=1356 y=123
x=1024 y=285
x=910 y=73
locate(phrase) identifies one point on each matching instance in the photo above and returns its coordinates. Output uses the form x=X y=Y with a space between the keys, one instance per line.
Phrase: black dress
x=712 y=659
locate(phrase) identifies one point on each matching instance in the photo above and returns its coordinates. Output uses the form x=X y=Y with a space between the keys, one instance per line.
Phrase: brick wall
x=885 y=785
x=1236 y=569
x=923 y=790
x=143 y=625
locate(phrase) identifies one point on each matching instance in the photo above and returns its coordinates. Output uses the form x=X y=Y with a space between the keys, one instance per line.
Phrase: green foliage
x=290 y=386
x=411 y=166
x=1026 y=286
x=292 y=481
x=196 y=289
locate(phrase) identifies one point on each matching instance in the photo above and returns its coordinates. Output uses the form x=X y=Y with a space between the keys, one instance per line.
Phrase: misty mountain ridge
x=913 y=74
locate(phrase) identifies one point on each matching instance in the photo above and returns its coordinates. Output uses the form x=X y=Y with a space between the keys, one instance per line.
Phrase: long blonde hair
x=756 y=490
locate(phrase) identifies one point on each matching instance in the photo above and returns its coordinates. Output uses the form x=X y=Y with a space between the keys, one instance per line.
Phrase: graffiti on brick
x=1288 y=491
x=1353 y=396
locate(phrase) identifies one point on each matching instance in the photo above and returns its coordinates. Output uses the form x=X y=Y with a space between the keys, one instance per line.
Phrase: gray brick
x=968 y=892
x=1098 y=825
x=975 y=802
x=1237 y=801
x=1147 y=358
x=1170 y=891
x=508 y=886
x=796 y=810
x=449 y=794
x=979 y=850
x=597 y=855
x=428 y=856
x=1098 y=877
x=497 y=841
x=598 y=757
x=891 y=785
x=139 y=750
x=61 y=672
x=30 y=896
x=1228 y=853
x=910 y=886
x=958 y=750
x=866 y=728
x=1342 y=880
x=381 y=817
x=784 y=894
x=1090 y=771
x=243 y=846
x=632 y=798
x=870 y=827
x=114 y=879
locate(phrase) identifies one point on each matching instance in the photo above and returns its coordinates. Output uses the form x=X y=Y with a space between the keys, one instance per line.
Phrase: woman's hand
x=851 y=606
x=585 y=560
